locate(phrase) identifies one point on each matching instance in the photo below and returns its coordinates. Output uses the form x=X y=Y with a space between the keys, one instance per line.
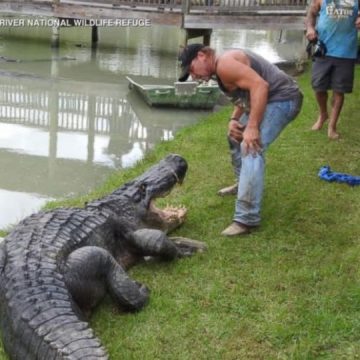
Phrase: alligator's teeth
x=151 y=206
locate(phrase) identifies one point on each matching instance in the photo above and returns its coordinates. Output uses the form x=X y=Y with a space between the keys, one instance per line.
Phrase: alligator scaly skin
x=56 y=265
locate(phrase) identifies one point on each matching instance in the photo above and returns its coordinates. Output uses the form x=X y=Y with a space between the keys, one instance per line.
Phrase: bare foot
x=320 y=122
x=333 y=135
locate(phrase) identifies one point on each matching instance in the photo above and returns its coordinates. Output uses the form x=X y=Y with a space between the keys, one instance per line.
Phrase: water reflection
x=67 y=117
x=9 y=205
x=274 y=45
x=59 y=138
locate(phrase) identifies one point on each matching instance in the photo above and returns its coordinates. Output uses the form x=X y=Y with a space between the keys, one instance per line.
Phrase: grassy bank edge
x=288 y=291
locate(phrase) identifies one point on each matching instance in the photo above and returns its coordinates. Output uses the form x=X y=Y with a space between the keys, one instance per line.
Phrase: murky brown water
x=68 y=118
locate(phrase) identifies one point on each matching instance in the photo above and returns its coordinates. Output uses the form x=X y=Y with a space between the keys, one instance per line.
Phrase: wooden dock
x=186 y=14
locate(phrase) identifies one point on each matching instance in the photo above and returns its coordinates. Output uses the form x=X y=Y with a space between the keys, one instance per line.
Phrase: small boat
x=186 y=95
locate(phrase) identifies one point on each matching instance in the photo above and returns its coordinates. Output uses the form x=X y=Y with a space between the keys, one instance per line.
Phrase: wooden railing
x=188 y=14
x=188 y=6
x=184 y=6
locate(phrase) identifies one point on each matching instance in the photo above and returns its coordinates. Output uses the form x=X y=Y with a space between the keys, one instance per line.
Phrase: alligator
x=57 y=265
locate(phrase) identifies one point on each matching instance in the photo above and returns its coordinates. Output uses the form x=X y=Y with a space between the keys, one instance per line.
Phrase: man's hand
x=251 y=140
x=235 y=130
x=357 y=23
x=311 y=34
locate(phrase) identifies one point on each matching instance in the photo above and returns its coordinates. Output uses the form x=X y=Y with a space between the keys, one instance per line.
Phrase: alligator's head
x=158 y=182
x=134 y=202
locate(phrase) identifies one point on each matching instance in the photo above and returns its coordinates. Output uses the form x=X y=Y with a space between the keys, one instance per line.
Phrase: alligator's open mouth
x=166 y=219
x=169 y=213
x=158 y=182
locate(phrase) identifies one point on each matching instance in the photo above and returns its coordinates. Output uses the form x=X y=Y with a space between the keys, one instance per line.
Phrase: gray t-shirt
x=282 y=87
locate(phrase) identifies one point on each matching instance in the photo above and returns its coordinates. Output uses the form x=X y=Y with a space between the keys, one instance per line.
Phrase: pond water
x=67 y=116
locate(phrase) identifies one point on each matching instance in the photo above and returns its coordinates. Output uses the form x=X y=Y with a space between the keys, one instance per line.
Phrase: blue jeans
x=249 y=169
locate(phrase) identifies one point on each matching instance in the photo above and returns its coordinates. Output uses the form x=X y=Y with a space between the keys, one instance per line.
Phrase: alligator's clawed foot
x=143 y=289
x=188 y=247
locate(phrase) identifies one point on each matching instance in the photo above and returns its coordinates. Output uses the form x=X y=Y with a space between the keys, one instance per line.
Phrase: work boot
x=229 y=190
x=235 y=229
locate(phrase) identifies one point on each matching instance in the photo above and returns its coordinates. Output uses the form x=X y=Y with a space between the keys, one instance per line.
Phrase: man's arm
x=236 y=73
x=237 y=112
x=310 y=21
x=357 y=23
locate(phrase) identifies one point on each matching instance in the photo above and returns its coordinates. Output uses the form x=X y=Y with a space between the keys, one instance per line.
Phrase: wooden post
x=194 y=33
x=94 y=36
x=53 y=110
x=207 y=37
x=91 y=128
x=186 y=6
x=55 y=37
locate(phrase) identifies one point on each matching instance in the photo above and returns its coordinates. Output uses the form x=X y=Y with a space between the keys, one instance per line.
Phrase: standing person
x=265 y=100
x=333 y=24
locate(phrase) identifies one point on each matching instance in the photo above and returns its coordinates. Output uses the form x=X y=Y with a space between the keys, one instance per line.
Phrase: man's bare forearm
x=237 y=112
x=310 y=21
x=312 y=14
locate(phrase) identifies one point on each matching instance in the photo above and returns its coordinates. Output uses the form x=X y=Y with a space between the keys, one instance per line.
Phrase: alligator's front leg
x=152 y=242
x=90 y=271
x=185 y=243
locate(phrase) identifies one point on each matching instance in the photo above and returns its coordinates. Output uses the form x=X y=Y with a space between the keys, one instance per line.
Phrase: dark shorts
x=330 y=73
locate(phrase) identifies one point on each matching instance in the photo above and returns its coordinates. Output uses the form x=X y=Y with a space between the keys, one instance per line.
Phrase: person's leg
x=321 y=98
x=235 y=155
x=251 y=180
x=320 y=81
x=336 y=106
x=341 y=82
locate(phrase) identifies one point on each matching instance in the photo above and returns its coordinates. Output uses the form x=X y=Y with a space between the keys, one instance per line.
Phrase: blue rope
x=325 y=173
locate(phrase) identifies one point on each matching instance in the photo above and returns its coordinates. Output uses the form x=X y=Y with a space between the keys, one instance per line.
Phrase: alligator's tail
x=50 y=330
x=39 y=321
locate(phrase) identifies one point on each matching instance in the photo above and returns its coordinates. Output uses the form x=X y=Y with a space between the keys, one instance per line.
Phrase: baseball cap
x=187 y=55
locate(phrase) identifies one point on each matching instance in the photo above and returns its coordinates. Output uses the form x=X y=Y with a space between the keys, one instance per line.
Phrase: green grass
x=290 y=290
